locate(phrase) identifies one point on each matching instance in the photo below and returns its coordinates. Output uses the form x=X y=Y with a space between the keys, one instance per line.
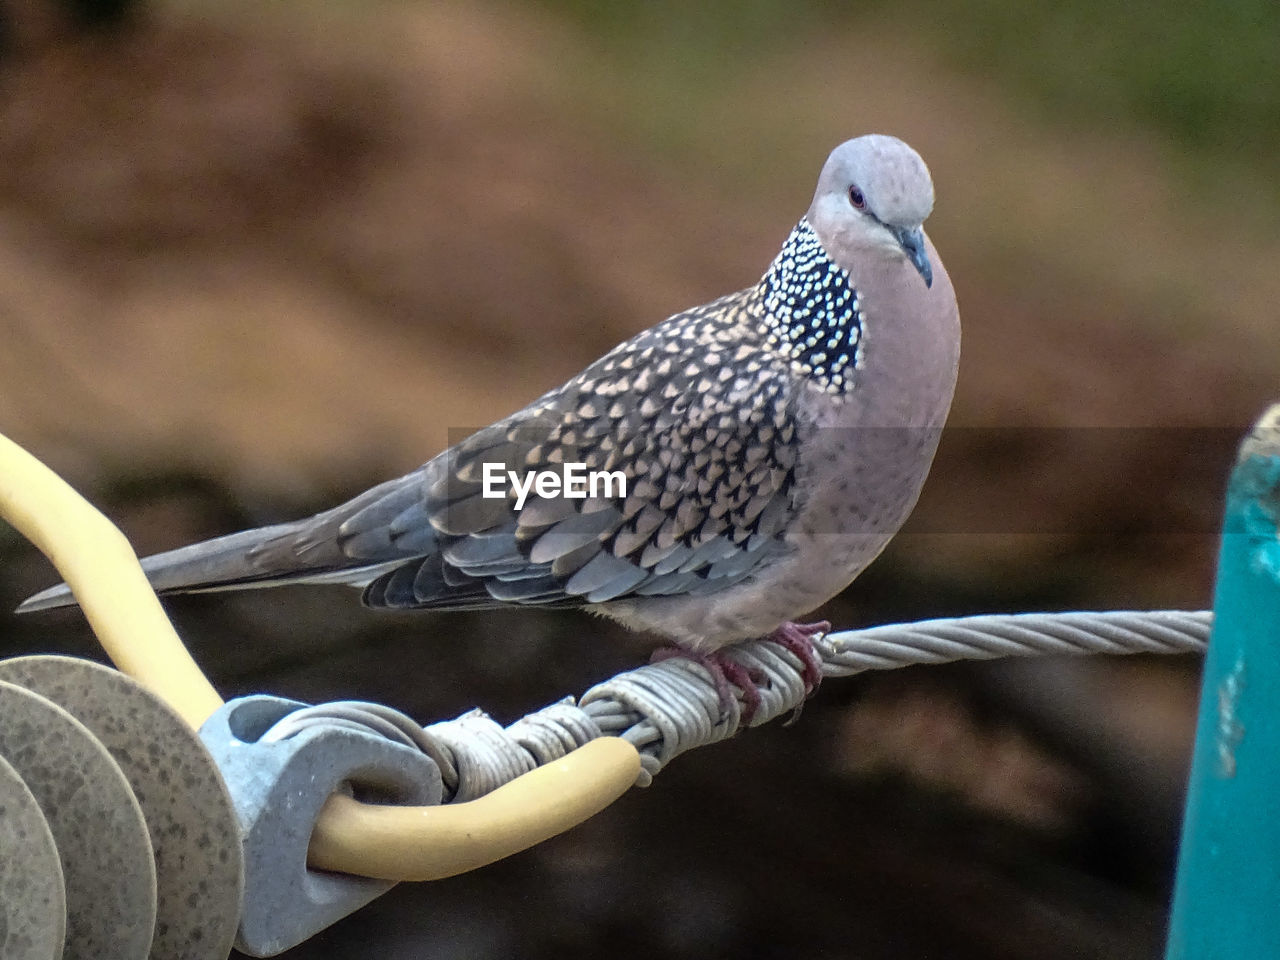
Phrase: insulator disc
x=33 y=907
x=107 y=867
x=194 y=831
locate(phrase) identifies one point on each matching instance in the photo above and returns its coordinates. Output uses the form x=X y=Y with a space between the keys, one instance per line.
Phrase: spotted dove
x=771 y=443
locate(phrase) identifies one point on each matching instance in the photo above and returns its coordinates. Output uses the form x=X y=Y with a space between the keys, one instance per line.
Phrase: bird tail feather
x=320 y=549
x=239 y=560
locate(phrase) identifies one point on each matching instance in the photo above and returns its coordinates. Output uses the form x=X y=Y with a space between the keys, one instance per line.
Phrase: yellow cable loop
x=386 y=842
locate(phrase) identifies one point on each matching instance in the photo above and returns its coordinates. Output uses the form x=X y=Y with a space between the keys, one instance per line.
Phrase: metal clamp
x=278 y=789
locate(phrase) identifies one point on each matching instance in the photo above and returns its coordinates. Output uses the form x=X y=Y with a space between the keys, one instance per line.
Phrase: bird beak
x=912 y=242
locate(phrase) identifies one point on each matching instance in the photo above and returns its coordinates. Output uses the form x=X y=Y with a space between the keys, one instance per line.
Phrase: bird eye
x=857 y=199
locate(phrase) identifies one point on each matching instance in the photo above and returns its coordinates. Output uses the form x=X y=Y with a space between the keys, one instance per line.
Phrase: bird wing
x=692 y=415
x=702 y=432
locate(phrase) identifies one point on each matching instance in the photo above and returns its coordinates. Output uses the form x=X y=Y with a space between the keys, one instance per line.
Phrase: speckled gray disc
x=194 y=831
x=107 y=868
x=33 y=908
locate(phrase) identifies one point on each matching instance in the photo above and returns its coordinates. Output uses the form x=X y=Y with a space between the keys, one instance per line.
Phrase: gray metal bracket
x=278 y=788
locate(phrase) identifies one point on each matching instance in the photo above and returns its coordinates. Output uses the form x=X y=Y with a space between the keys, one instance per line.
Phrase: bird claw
x=798 y=638
x=724 y=671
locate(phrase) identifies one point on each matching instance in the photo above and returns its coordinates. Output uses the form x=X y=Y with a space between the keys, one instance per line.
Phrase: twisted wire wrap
x=1013 y=635
x=672 y=706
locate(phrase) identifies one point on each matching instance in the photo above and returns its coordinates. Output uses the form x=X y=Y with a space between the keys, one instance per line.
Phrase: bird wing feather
x=707 y=450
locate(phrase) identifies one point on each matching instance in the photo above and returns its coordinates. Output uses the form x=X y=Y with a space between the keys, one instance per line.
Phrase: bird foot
x=724 y=672
x=798 y=638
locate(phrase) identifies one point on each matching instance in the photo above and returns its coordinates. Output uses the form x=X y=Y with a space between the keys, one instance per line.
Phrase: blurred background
x=256 y=257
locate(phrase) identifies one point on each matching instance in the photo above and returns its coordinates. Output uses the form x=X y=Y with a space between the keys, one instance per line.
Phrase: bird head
x=874 y=195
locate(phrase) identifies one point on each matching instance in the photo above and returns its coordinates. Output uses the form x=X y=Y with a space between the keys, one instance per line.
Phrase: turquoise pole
x=1226 y=900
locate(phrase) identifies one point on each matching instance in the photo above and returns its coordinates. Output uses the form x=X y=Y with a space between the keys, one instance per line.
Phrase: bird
x=754 y=454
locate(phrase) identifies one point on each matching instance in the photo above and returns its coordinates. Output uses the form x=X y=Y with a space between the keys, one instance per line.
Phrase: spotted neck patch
x=810 y=309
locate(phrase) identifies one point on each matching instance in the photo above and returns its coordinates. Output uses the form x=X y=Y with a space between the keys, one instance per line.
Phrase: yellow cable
x=388 y=842
x=370 y=840
x=94 y=557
